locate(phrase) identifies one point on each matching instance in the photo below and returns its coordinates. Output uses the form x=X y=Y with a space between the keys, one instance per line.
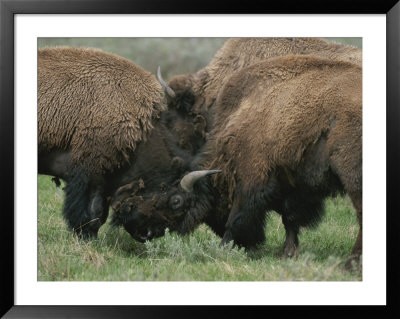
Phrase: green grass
x=115 y=256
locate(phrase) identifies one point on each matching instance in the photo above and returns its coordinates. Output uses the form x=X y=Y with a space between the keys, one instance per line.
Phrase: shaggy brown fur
x=292 y=118
x=290 y=102
x=95 y=104
x=238 y=53
x=201 y=88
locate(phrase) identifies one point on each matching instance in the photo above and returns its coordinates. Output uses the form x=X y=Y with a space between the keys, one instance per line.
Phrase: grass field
x=115 y=256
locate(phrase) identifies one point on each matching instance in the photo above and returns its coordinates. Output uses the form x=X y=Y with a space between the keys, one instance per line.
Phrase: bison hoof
x=227 y=238
x=353 y=263
x=56 y=181
x=290 y=251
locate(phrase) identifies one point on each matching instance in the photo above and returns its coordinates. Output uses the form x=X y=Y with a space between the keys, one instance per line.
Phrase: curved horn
x=165 y=86
x=189 y=179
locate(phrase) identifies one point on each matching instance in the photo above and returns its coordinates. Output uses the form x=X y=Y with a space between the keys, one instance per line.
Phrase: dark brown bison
x=191 y=105
x=287 y=134
x=96 y=113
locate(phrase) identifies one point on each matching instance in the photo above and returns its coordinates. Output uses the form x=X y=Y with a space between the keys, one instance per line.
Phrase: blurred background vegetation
x=174 y=55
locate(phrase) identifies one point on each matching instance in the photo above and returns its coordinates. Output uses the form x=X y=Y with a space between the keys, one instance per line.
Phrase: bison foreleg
x=85 y=208
x=291 y=246
x=97 y=211
x=300 y=208
x=227 y=238
x=245 y=225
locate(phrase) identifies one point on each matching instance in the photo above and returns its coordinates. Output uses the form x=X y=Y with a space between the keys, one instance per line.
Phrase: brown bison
x=192 y=96
x=287 y=134
x=95 y=111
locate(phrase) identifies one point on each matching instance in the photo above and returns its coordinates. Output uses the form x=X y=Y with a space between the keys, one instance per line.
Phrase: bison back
x=95 y=104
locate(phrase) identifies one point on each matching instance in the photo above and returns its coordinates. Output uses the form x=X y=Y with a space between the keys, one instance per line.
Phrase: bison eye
x=176 y=201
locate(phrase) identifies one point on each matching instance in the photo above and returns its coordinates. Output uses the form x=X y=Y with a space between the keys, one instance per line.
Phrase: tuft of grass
x=201 y=247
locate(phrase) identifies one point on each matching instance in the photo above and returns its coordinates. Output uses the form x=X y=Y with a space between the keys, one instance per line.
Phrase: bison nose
x=149 y=233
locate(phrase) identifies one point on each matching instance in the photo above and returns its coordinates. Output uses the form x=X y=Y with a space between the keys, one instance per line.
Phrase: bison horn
x=165 y=86
x=189 y=179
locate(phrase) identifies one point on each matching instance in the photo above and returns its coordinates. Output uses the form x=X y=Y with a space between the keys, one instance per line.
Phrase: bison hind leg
x=353 y=262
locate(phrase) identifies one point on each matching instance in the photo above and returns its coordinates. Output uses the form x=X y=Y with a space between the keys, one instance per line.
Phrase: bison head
x=146 y=213
x=185 y=117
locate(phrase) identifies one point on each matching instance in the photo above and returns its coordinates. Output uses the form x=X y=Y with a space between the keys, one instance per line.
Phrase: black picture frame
x=8 y=10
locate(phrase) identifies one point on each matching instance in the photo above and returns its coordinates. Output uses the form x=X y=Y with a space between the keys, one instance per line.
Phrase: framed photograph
x=106 y=278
